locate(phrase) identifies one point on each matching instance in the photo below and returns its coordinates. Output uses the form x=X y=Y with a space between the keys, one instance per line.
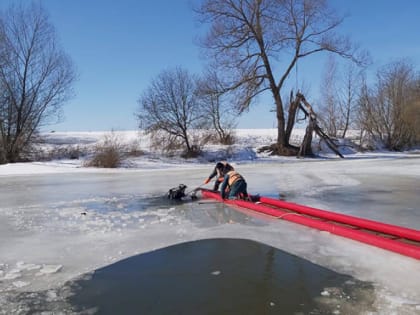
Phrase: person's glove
x=207 y=181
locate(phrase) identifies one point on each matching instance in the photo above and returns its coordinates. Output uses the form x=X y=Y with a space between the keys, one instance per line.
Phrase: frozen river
x=58 y=227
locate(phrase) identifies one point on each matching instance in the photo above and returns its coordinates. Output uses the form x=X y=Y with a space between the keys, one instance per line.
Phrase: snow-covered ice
x=59 y=220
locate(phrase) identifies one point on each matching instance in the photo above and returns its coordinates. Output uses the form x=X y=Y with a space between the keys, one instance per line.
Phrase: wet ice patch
x=354 y=297
x=21 y=274
x=49 y=269
x=21 y=284
x=13 y=274
x=91 y=223
x=24 y=266
x=52 y=301
x=91 y=216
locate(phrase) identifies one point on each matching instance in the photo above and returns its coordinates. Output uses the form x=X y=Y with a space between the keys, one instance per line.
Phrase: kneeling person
x=235 y=184
x=220 y=170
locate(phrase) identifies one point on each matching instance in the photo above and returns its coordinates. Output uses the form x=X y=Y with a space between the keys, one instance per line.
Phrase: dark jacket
x=216 y=171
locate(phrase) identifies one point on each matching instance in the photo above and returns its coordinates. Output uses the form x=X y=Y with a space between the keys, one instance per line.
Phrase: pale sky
x=118 y=47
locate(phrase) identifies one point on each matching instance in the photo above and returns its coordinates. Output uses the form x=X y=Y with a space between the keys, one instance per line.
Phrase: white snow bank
x=243 y=151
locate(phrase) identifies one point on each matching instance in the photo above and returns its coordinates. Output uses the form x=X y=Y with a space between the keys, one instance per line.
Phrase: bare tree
x=388 y=110
x=329 y=98
x=36 y=77
x=412 y=113
x=348 y=98
x=339 y=97
x=168 y=110
x=217 y=106
x=249 y=37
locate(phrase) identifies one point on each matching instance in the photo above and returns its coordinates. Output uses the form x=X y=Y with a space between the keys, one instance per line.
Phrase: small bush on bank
x=133 y=149
x=228 y=139
x=193 y=153
x=213 y=137
x=68 y=152
x=107 y=154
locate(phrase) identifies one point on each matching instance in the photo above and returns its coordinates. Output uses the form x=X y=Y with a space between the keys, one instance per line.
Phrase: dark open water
x=219 y=276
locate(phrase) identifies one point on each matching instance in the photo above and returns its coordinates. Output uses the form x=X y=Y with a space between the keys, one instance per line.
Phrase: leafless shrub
x=133 y=149
x=166 y=143
x=172 y=145
x=229 y=138
x=72 y=152
x=194 y=152
x=389 y=112
x=212 y=137
x=108 y=154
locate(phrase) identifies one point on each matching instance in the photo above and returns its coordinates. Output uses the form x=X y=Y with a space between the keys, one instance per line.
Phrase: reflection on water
x=219 y=276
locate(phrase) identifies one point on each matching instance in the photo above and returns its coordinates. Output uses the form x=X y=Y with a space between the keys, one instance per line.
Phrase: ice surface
x=58 y=221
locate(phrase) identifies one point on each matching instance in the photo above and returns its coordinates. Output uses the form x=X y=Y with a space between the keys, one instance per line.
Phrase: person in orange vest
x=220 y=170
x=233 y=186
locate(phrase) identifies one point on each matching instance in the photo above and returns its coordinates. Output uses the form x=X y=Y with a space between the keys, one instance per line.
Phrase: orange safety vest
x=233 y=177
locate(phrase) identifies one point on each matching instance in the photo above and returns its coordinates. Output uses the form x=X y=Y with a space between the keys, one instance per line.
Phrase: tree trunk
x=281 y=135
x=306 y=146
x=12 y=155
x=294 y=105
x=282 y=147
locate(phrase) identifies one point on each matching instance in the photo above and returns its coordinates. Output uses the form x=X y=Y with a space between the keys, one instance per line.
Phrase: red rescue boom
x=398 y=239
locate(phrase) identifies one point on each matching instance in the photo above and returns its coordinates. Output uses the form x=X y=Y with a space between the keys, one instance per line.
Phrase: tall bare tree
x=329 y=98
x=339 y=97
x=217 y=106
x=258 y=43
x=168 y=110
x=36 y=77
x=348 y=98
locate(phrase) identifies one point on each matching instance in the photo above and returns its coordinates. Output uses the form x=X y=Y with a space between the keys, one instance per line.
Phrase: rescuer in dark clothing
x=220 y=170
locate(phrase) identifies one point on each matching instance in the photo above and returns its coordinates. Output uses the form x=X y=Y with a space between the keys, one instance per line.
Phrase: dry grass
x=108 y=154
